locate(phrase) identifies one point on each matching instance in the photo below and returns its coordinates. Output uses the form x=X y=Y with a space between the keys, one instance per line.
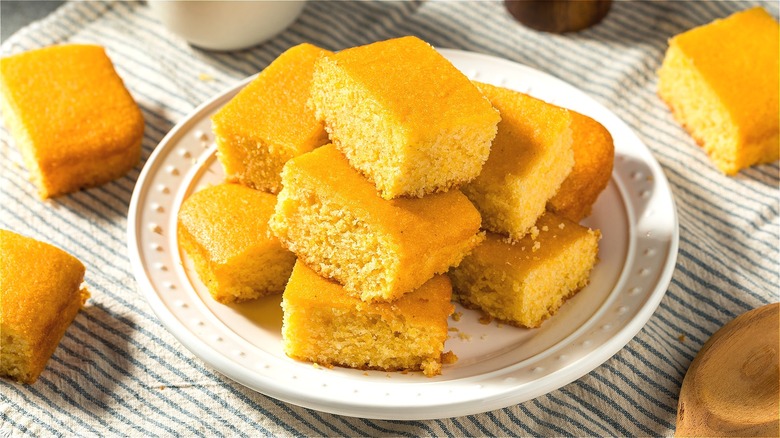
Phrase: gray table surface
x=16 y=14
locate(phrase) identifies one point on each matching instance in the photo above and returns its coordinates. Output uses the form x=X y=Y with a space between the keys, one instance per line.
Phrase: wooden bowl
x=732 y=387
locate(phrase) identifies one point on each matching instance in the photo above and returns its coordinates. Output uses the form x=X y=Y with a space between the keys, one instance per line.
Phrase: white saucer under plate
x=499 y=365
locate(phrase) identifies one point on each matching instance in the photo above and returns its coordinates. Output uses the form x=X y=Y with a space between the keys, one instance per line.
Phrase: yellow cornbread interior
x=525 y=282
x=40 y=294
x=721 y=82
x=332 y=218
x=404 y=116
x=224 y=229
x=74 y=122
x=267 y=122
x=531 y=156
x=594 y=155
x=327 y=326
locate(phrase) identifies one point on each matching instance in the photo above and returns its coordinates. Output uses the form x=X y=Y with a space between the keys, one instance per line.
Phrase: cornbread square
x=40 y=295
x=332 y=218
x=525 y=282
x=721 y=82
x=327 y=326
x=224 y=229
x=267 y=122
x=73 y=120
x=594 y=155
x=531 y=156
x=404 y=116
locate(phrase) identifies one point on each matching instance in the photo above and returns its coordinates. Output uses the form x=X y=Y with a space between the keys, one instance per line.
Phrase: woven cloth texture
x=118 y=371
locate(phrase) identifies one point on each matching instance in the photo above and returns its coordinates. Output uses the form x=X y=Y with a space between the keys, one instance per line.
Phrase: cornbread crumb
x=527 y=291
x=332 y=218
x=681 y=338
x=449 y=358
x=40 y=295
x=205 y=77
x=721 y=82
x=404 y=116
x=325 y=325
x=531 y=156
x=267 y=122
x=464 y=336
x=223 y=228
x=74 y=122
x=456 y=316
x=485 y=319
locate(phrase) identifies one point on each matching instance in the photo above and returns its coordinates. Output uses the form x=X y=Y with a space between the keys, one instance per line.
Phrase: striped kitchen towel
x=118 y=372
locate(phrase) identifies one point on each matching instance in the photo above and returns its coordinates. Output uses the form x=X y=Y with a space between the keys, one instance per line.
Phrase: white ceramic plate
x=498 y=365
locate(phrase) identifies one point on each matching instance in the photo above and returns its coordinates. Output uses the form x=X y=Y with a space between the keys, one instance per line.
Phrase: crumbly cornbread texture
x=224 y=229
x=404 y=116
x=594 y=154
x=525 y=282
x=40 y=294
x=331 y=217
x=721 y=82
x=530 y=158
x=325 y=325
x=267 y=122
x=73 y=120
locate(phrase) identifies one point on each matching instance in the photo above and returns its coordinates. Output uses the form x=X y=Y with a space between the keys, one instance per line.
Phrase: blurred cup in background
x=226 y=25
x=558 y=16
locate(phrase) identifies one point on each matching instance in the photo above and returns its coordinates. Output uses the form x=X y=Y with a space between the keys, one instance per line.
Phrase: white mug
x=226 y=25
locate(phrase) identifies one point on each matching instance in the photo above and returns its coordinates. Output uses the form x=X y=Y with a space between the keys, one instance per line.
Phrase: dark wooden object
x=558 y=16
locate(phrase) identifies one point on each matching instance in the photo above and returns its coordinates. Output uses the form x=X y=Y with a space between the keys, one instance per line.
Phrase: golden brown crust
x=325 y=325
x=404 y=116
x=334 y=220
x=720 y=81
x=40 y=294
x=594 y=154
x=268 y=122
x=523 y=283
x=223 y=228
x=530 y=157
x=72 y=118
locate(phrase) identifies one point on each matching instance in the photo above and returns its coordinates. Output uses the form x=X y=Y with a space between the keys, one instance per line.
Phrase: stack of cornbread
x=546 y=168
x=376 y=217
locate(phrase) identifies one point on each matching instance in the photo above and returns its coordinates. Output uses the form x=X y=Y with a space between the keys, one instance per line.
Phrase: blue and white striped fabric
x=118 y=372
